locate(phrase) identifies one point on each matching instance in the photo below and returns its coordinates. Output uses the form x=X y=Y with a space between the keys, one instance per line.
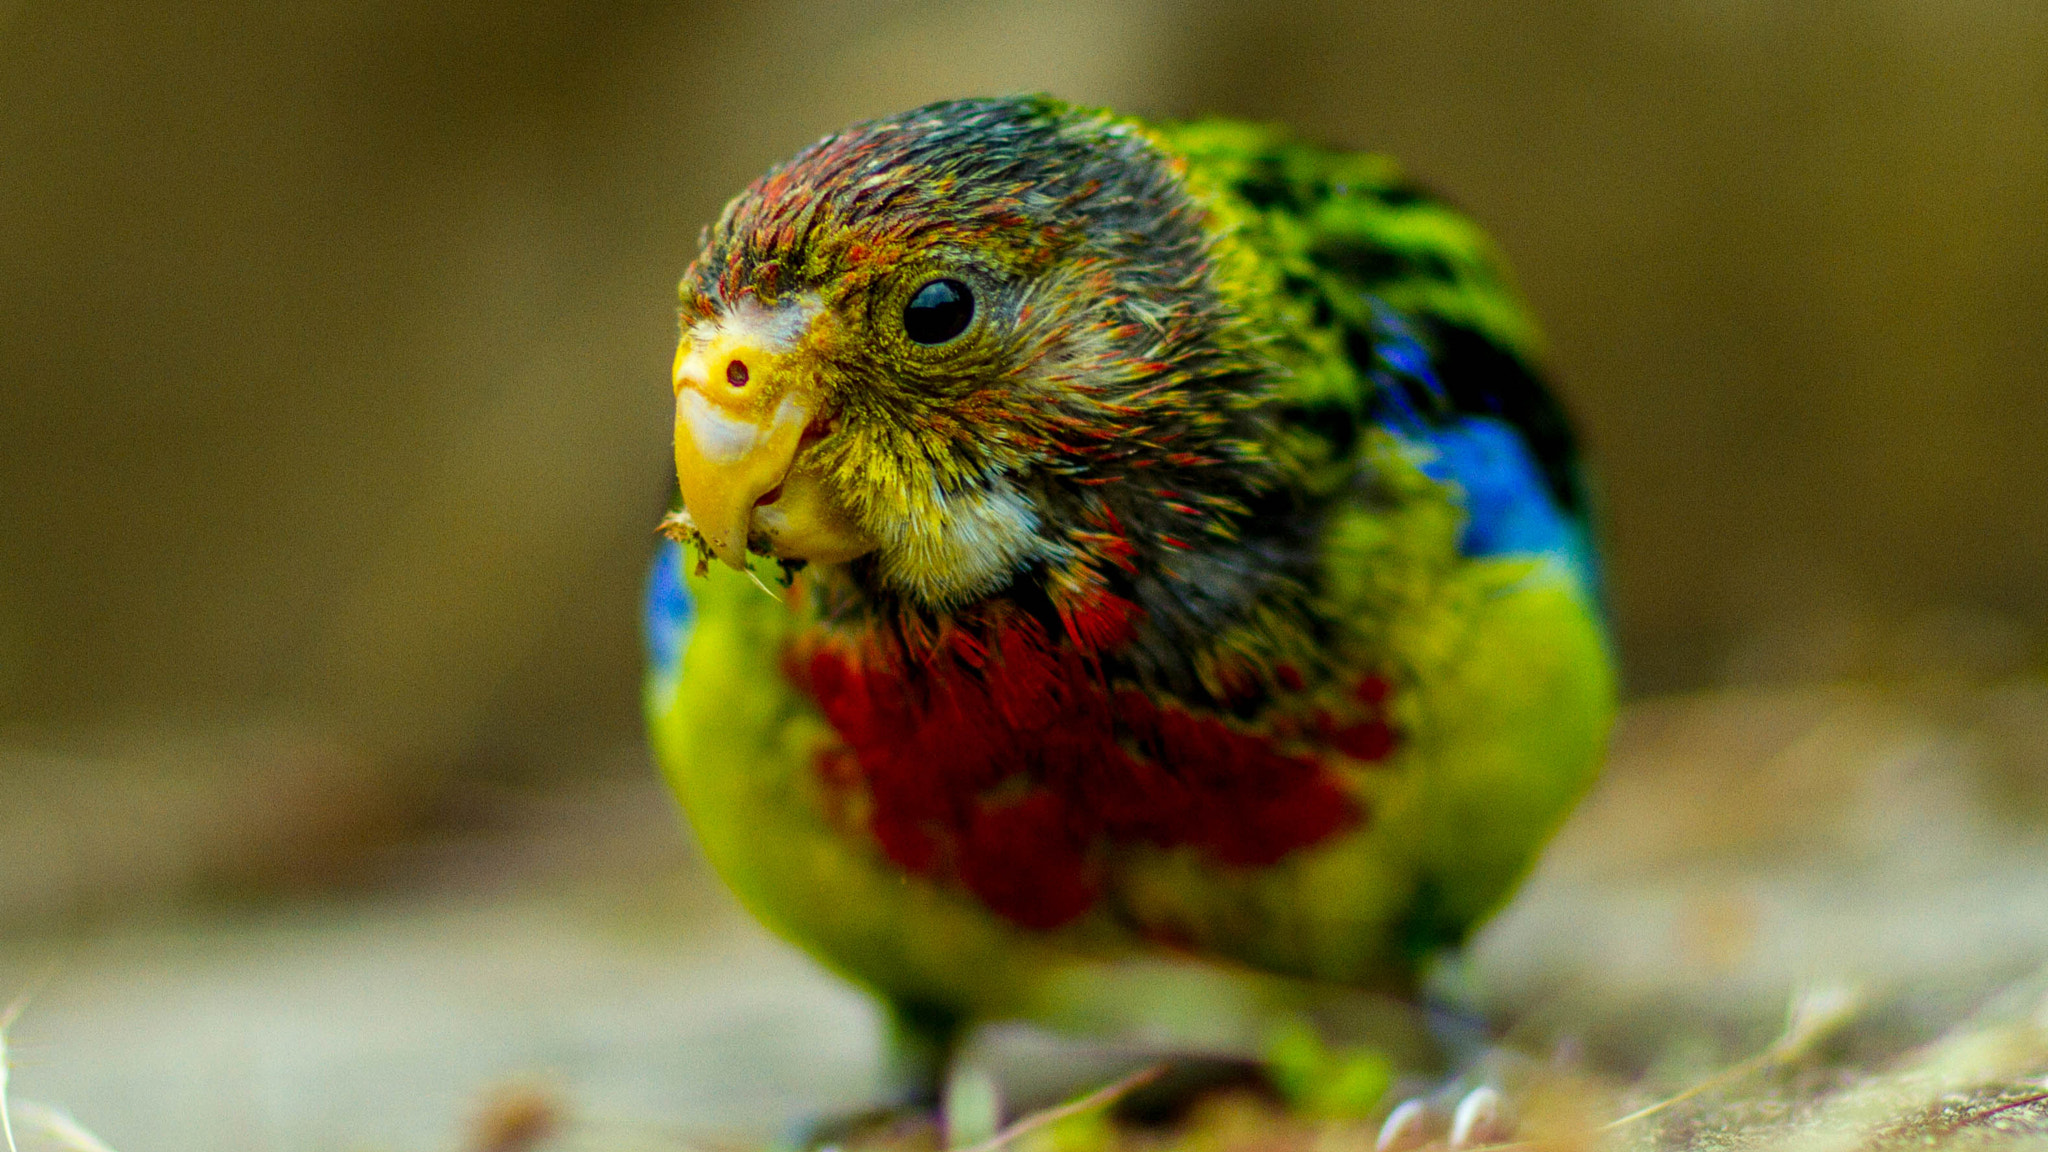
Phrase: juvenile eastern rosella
x=1179 y=556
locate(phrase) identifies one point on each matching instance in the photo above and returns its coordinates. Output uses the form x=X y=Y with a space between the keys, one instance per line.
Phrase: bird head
x=956 y=345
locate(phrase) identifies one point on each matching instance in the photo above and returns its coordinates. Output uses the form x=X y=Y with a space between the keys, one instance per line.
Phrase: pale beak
x=739 y=422
x=743 y=418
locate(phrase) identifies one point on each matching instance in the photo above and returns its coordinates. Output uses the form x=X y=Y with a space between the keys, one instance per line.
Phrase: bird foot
x=1481 y=1117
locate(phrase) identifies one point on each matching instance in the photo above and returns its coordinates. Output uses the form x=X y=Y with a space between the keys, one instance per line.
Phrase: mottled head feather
x=1106 y=403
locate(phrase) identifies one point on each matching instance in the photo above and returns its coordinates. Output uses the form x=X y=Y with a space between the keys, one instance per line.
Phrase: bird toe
x=1481 y=1118
x=1411 y=1125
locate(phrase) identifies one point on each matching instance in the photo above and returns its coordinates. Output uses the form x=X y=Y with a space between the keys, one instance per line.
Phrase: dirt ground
x=558 y=964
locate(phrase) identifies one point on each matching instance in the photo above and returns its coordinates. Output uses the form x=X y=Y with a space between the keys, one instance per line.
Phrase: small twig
x=1100 y=1098
x=1725 y=1076
x=1814 y=1014
x=6 y=1118
x=62 y=1128
x=763 y=585
x=50 y=1121
x=8 y=1016
x=1978 y=1117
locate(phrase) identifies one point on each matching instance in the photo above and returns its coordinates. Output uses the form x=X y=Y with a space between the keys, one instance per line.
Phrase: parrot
x=1173 y=553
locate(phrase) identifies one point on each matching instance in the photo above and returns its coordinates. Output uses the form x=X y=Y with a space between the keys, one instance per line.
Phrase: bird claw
x=1408 y=1127
x=1481 y=1118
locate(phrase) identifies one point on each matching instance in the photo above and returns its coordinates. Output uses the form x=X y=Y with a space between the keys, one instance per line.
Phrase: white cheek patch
x=720 y=439
x=974 y=544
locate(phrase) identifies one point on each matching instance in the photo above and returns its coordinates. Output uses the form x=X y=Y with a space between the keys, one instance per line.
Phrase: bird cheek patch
x=972 y=543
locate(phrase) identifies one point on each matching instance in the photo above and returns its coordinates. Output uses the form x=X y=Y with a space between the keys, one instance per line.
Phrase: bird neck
x=1187 y=572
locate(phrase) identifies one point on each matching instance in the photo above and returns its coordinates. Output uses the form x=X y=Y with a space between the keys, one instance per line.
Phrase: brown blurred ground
x=562 y=939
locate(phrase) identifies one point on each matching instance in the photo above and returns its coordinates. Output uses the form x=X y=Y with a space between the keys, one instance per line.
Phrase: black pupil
x=940 y=311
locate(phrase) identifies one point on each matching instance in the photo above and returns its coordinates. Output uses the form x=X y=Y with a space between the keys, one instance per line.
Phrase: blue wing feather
x=1513 y=503
x=667 y=614
x=1509 y=508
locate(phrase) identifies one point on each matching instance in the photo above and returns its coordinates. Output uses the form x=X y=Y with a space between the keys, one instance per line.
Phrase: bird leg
x=921 y=1042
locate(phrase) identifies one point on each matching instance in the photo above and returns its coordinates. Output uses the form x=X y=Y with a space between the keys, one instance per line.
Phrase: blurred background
x=334 y=426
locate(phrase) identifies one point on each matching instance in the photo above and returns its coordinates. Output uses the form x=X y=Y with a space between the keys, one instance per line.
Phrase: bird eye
x=938 y=312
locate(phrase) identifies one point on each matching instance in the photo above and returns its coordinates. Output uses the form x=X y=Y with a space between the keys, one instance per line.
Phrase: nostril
x=736 y=373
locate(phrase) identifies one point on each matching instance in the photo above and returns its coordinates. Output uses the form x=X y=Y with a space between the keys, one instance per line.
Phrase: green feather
x=1190 y=396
